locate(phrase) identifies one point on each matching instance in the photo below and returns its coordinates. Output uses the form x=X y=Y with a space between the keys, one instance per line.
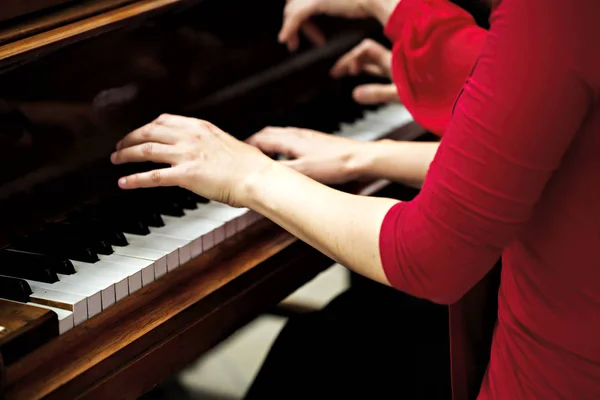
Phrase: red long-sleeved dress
x=517 y=175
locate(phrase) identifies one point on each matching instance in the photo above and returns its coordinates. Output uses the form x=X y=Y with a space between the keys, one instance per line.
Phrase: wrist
x=380 y=9
x=363 y=161
x=254 y=187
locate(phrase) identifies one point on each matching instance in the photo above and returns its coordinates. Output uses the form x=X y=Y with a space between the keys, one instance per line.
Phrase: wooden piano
x=104 y=293
x=108 y=293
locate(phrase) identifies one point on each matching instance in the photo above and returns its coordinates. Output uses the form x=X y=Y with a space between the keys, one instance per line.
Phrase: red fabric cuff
x=388 y=248
x=405 y=8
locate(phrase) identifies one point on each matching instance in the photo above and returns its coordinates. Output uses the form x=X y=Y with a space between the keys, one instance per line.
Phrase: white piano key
x=112 y=282
x=77 y=304
x=192 y=229
x=158 y=258
x=93 y=296
x=220 y=212
x=377 y=124
x=244 y=220
x=105 y=272
x=65 y=318
x=141 y=272
x=172 y=247
x=107 y=290
x=219 y=230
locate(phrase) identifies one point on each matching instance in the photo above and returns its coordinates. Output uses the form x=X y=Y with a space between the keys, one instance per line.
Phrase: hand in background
x=372 y=58
x=297 y=15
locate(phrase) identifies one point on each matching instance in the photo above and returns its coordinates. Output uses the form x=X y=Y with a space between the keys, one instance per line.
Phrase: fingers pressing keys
x=104 y=252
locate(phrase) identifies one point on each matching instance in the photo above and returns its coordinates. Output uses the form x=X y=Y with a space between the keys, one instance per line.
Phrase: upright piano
x=105 y=293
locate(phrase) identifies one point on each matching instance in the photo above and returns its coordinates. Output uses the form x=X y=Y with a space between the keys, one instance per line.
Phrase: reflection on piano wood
x=14 y=9
x=24 y=327
x=142 y=283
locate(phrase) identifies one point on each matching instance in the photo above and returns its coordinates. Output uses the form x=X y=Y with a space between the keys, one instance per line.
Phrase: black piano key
x=31 y=272
x=126 y=220
x=185 y=197
x=152 y=218
x=198 y=199
x=102 y=228
x=44 y=243
x=27 y=259
x=14 y=289
x=181 y=196
x=72 y=246
x=145 y=211
x=158 y=200
x=172 y=208
x=86 y=235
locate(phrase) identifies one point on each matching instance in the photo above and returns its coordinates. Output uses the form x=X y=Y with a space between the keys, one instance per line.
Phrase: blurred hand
x=372 y=58
x=367 y=57
x=325 y=158
x=203 y=158
x=297 y=14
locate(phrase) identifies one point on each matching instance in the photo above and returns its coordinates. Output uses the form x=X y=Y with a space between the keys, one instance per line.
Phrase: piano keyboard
x=137 y=243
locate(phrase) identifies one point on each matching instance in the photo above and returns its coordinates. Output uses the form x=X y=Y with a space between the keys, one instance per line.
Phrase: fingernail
x=122 y=182
x=113 y=157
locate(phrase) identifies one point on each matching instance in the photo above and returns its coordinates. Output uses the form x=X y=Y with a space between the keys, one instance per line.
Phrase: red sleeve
x=436 y=44
x=513 y=121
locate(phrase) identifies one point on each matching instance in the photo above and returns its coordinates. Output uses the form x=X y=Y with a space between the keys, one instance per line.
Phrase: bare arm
x=332 y=160
x=345 y=227
x=405 y=162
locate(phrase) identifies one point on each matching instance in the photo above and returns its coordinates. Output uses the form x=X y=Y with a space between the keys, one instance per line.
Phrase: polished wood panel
x=54 y=18
x=17 y=8
x=24 y=328
x=61 y=36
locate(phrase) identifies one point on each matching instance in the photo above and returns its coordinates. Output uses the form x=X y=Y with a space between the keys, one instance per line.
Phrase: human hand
x=372 y=58
x=202 y=158
x=297 y=14
x=325 y=158
x=367 y=57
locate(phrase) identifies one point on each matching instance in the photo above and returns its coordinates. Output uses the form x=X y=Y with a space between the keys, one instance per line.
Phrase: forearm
x=398 y=161
x=381 y=9
x=344 y=227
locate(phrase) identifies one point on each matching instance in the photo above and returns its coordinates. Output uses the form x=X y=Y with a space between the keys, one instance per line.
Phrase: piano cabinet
x=14 y=9
x=132 y=347
x=73 y=80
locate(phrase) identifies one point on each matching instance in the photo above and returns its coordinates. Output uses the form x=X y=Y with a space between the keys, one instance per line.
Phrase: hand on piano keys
x=325 y=158
x=102 y=253
x=214 y=164
x=203 y=158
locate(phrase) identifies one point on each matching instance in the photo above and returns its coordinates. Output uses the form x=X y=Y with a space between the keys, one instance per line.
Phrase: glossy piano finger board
x=24 y=328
